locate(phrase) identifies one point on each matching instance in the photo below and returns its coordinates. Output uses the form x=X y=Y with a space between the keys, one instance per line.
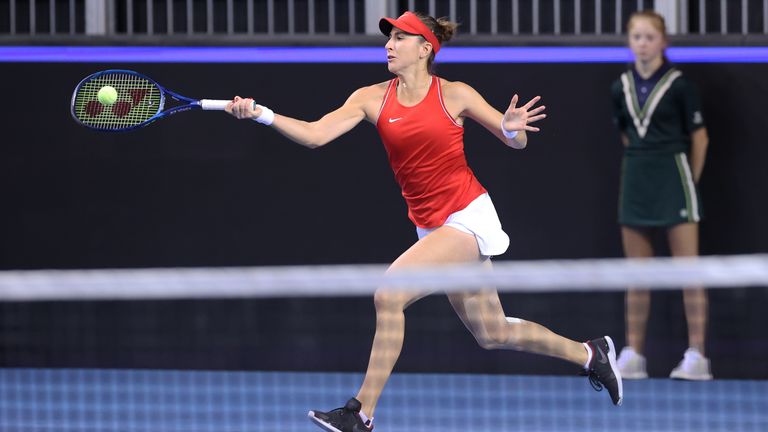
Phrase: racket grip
x=214 y=104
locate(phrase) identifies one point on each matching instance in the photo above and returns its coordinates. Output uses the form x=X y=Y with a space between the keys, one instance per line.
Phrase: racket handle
x=214 y=104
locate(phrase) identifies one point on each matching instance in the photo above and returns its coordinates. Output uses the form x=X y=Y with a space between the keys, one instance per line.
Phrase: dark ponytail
x=443 y=28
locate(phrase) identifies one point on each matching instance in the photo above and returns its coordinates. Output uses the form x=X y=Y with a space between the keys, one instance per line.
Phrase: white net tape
x=288 y=281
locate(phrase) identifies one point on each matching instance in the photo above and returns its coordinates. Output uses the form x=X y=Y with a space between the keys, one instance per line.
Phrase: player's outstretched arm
x=510 y=127
x=309 y=134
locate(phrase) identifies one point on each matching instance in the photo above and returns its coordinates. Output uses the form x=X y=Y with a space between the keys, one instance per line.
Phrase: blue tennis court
x=41 y=400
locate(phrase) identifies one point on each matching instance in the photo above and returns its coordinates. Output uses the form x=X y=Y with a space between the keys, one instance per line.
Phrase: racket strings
x=138 y=100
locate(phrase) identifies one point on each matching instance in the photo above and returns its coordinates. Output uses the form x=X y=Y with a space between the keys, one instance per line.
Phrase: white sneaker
x=694 y=367
x=631 y=364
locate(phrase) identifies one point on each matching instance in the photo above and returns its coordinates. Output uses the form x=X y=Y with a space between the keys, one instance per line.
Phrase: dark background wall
x=202 y=189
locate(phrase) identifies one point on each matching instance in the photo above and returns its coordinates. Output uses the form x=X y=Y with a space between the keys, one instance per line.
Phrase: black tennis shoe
x=603 y=371
x=346 y=419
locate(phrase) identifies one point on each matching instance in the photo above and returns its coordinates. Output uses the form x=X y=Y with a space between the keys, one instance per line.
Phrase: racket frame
x=190 y=103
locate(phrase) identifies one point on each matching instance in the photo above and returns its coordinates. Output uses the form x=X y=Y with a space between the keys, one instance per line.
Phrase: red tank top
x=426 y=152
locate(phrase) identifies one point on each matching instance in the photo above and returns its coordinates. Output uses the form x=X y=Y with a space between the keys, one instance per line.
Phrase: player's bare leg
x=482 y=313
x=445 y=245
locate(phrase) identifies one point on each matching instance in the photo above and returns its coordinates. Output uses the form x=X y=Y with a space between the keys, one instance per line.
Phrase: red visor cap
x=410 y=23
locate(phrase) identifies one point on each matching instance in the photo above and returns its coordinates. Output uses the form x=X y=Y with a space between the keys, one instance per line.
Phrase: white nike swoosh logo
x=391 y=120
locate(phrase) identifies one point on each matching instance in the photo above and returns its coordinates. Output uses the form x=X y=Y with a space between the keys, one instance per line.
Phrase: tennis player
x=658 y=112
x=420 y=119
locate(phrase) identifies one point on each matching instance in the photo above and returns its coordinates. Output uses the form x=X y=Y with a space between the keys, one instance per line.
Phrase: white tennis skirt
x=480 y=219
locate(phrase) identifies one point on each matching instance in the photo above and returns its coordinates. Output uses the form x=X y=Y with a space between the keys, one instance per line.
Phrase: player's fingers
x=537 y=110
x=249 y=108
x=244 y=107
x=531 y=102
x=233 y=105
x=536 y=118
x=532 y=128
x=513 y=102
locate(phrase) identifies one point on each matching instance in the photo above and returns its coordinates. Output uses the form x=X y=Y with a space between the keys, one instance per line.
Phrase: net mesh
x=253 y=349
x=138 y=100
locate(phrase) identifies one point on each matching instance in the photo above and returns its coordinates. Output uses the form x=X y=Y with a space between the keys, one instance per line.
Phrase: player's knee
x=511 y=335
x=491 y=340
x=386 y=300
x=488 y=343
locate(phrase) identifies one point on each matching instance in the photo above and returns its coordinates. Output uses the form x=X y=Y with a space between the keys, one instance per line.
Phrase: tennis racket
x=140 y=101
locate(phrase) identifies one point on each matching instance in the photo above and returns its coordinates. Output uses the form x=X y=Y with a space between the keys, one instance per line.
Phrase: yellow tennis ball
x=107 y=95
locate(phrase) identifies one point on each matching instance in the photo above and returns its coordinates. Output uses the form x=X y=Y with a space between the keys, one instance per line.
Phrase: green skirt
x=658 y=190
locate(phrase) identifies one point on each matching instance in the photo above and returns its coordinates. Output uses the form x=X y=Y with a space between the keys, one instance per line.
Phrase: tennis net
x=253 y=349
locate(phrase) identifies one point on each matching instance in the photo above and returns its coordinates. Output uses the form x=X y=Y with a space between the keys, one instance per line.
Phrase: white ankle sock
x=589 y=355
x=365 y=418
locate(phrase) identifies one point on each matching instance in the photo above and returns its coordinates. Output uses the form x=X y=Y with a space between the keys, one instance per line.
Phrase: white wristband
x=506 y=133
x=266 y=117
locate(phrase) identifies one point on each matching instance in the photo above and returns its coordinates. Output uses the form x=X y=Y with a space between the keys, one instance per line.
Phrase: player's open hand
x=243 y=108
x=519 y=118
